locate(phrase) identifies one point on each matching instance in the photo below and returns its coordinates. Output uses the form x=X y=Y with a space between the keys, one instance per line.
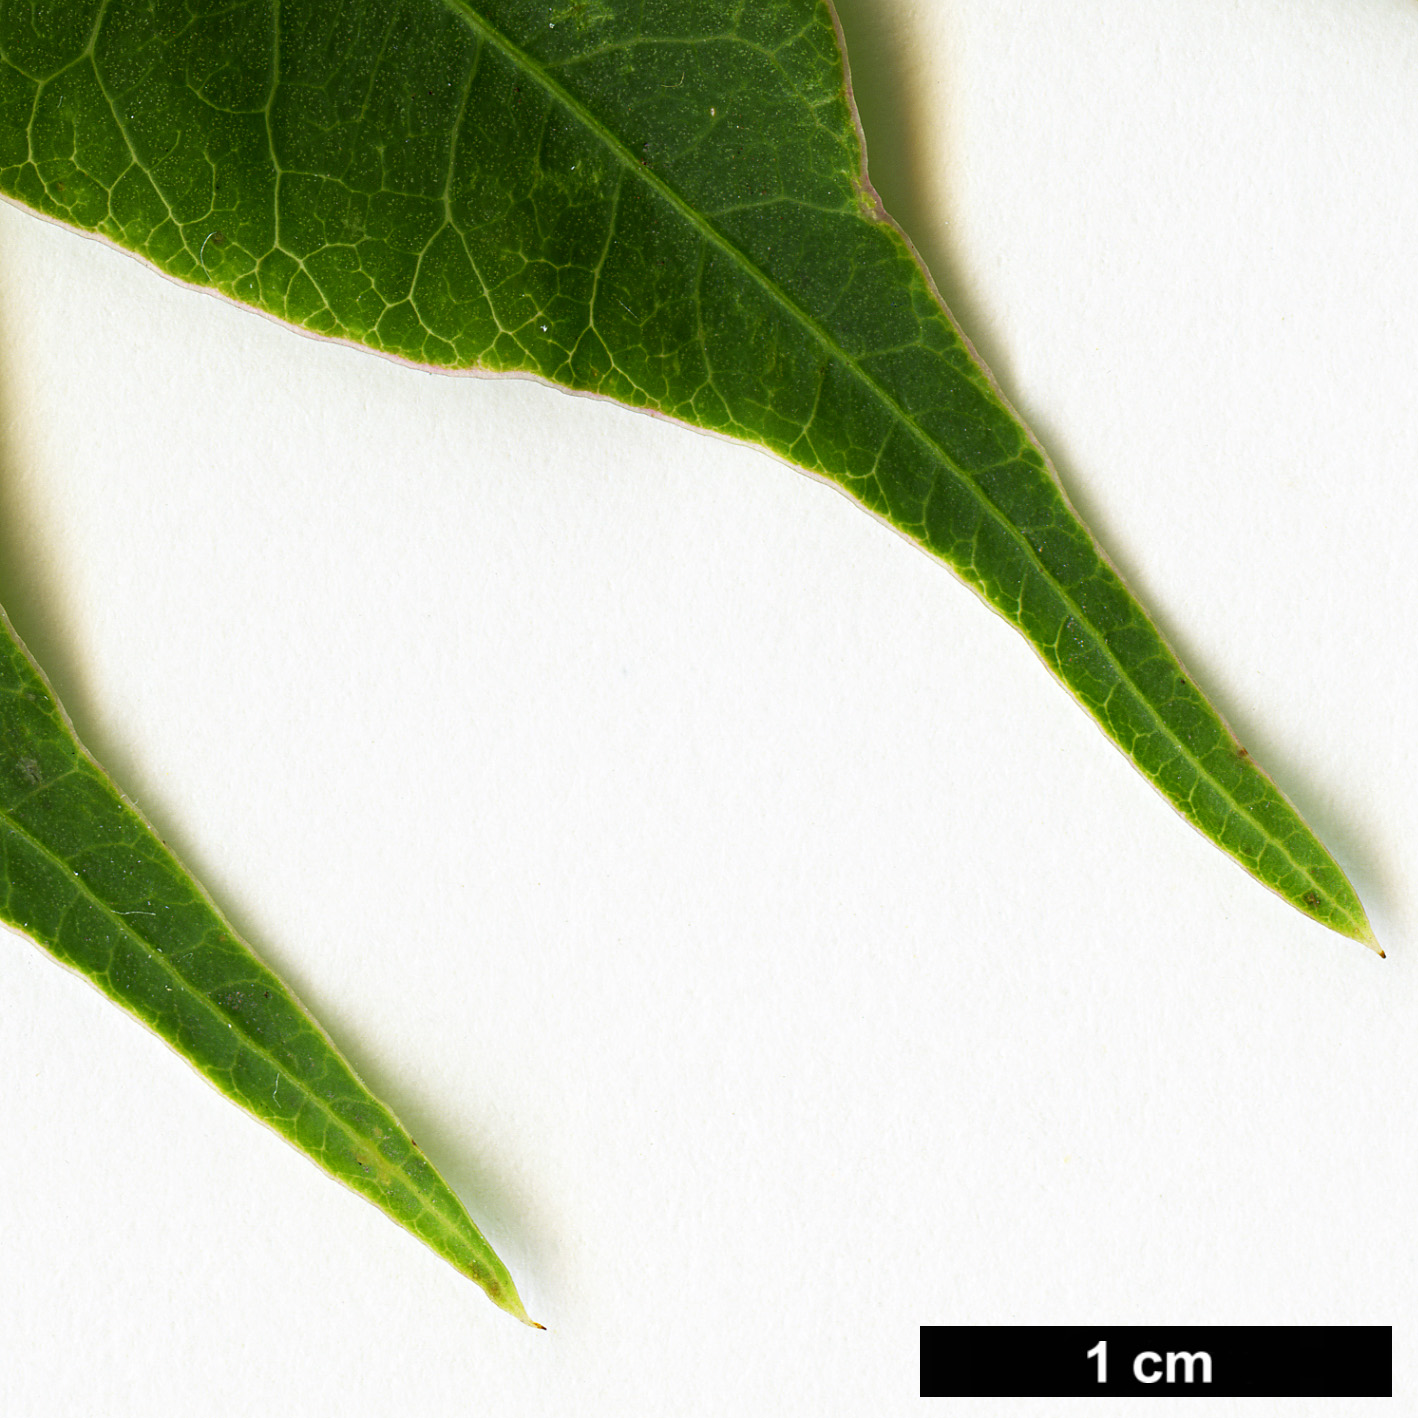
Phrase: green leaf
x=87 y=878
x=665 y=204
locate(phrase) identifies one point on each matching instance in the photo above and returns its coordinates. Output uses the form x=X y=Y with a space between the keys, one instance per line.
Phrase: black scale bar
x=1163 y=1361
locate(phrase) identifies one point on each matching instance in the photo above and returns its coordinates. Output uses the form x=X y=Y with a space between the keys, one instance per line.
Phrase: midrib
x=360 y=1143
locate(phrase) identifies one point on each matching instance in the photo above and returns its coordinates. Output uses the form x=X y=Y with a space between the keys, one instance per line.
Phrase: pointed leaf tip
x=72 y=848
x=506 y=1298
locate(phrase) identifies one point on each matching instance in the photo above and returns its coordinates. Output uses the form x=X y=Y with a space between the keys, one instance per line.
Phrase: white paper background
x=771 y=954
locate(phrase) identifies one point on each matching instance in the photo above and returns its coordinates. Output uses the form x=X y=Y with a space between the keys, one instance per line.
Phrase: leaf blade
x=86 y=878
x=1219 y=790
